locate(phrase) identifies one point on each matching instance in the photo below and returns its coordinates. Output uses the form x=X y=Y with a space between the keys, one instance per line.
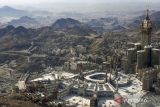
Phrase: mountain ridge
x=9 y=11
x=20 y=37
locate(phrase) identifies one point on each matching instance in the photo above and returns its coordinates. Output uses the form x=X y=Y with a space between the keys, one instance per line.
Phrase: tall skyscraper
x=143 y=59
x=146 y=30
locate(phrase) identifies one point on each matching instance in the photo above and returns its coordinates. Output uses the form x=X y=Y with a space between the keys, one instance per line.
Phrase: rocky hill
x=60 y=34
x=9 y=11
x=106 y=24
x=72 y=26
x=24 y=21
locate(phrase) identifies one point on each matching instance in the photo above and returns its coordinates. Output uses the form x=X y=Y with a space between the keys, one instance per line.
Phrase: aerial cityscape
x=79 y=53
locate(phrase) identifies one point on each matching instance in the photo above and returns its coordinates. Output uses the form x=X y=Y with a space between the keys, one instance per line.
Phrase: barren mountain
x=24 y=21
x=52 y=36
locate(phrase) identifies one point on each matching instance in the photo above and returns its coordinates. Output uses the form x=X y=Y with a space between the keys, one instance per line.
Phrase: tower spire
x=146 y=30
x=147 y=17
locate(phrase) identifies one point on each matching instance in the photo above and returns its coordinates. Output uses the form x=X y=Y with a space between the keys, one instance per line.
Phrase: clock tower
x=146 y=30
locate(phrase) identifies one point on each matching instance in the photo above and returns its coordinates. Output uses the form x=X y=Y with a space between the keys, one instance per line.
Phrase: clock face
x=147 y=24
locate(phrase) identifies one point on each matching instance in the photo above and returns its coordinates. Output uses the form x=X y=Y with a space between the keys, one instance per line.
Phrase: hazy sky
x=22 y=2
x=81 y=4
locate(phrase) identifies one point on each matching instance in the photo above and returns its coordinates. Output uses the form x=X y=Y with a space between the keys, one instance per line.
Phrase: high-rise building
x=143 y=59
x=146 y=30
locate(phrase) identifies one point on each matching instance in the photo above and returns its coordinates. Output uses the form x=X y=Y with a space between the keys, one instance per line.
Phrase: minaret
x=117 y=80
x=94 y=101
x=106 y=79
x=81 y=75
x=146 y=30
